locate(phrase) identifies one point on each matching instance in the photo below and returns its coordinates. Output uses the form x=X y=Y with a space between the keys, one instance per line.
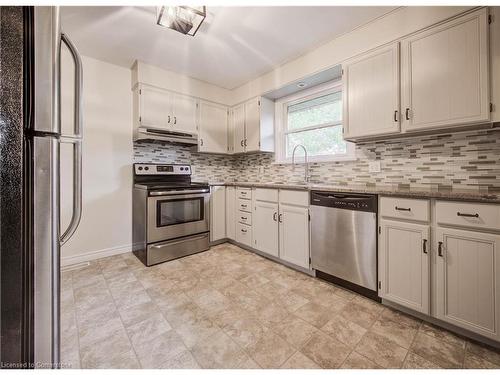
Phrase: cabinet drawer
x=294 y=197
x=244 y=234
x=403 y=208
x=244 y=193
x=244 y=217
x=244 y=205
x=473 y=215
x=266 y=195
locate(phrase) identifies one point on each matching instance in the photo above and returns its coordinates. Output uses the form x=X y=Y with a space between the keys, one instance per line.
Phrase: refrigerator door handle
x=76 y=139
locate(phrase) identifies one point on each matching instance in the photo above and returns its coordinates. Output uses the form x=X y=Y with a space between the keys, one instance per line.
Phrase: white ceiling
x=233 y=45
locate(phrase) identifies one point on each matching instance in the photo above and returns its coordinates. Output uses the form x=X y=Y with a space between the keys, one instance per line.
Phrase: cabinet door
x=230 y=212
x=230 y=132
x=265 y=227
x=184 y=113
x=467 y=280
x=252 y=125
x=239 y=128
x=213 y=128
x=445 y=74
x=294 y=234
x=371 y=99
x=404 y=251
x=218 y=213
x=155 y=108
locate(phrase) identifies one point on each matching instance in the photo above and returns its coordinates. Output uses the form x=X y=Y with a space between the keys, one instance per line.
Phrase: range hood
x=144 y=133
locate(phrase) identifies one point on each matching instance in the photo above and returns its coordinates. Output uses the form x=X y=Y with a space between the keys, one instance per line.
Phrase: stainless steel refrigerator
x=30 y=141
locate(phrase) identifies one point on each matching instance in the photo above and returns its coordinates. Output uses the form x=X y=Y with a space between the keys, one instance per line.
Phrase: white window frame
x=281 y=111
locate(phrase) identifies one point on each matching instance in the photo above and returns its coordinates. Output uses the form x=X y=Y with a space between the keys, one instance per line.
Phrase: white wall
x=106 y=224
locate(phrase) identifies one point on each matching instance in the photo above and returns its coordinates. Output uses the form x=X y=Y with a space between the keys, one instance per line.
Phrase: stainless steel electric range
x=170 y=213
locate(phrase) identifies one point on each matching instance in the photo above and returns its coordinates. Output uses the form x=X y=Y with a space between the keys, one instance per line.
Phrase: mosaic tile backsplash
x=465 y=160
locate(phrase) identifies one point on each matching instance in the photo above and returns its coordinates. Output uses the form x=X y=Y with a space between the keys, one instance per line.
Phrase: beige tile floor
x=230 y=308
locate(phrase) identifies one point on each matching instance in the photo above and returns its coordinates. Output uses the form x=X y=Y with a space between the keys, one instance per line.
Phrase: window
x=313 y=119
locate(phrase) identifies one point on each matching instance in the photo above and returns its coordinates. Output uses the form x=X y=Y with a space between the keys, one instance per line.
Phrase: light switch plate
x=374 y=166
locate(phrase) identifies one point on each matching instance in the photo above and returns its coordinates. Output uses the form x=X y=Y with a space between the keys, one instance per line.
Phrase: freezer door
x=47 y=42
x=46 y=250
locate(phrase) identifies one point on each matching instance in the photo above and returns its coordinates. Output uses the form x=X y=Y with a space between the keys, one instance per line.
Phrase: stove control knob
x=182 y=168
x=146 y=168
x=140 y=168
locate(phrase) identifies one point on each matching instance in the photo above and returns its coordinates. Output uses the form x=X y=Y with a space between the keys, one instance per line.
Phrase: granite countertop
x=394 y=190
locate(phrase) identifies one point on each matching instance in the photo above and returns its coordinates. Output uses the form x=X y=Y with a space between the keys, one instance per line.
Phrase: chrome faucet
x=306 y=165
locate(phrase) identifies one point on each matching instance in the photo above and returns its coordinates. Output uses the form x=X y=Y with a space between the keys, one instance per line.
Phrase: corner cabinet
x=445 y=74
x=468 y=280
x=212 y=127
x=404 y=264
x=253 y=123
x=371 y=93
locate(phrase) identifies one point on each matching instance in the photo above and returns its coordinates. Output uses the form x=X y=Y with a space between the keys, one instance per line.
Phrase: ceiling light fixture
x=301 y=84
x=184 y=19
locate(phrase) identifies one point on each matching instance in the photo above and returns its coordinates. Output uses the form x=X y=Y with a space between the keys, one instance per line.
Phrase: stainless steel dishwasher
x=344 y=239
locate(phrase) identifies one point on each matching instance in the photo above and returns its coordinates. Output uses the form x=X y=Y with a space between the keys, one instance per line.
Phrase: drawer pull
x=402 y=209
x=440 y=248
x=244 y=205
x=243 y=218
x=424 y=246
x=244 y=230
x=467 y=215
x=243 y=192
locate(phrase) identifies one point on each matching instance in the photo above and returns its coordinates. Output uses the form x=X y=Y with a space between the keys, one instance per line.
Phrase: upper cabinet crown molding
x=444 y=81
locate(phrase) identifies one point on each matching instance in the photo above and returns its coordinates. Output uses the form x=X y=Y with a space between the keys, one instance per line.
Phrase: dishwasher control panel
x=348 y=201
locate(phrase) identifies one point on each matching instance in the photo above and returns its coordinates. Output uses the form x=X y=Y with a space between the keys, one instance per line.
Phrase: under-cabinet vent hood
x=144 y=133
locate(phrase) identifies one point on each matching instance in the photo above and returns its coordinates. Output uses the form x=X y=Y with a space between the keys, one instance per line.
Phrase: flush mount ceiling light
x=301 y=84
x=184 y=19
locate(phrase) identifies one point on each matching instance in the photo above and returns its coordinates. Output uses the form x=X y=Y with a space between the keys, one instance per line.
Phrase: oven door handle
x=177 y=192
x=168 y=243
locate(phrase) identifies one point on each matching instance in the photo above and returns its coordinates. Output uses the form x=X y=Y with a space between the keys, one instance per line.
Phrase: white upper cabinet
x=212 y=120
x=239 y=128
x=404 y=264
x=254 y=126
x=371 y=93
x=183 y=113
x=445 y=74
x=154 y=107
x=468 y=280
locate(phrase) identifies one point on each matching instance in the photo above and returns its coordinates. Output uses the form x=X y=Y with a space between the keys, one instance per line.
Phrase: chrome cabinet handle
x=245 y=143
x=440 y=249
x=396 y=116
x=244 y=205
x=175 y=120
x=244 y=230
x=76 y=139
x=242 y=145
x=169 y=119
x=467 y=215
x=243 y=218
x=201 y=141
x=407 y=113
x=402 y=209
x=280 y=216
x=274 y=216
x=424 y=246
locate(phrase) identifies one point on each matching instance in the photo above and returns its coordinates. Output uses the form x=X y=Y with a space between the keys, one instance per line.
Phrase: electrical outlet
x=261 y=169
x=374 y=166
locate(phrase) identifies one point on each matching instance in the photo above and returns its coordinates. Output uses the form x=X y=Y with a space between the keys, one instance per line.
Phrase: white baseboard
x=96 y=254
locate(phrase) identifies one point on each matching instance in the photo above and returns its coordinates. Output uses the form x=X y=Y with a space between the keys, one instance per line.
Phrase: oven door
x=173 y=214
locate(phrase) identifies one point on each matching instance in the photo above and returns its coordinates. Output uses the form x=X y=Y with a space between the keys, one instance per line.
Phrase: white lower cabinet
x=231 y=212
x=294 y=234
x=467 y=280
x=282 y=229
x=459 y=267
x=404 y=266
x=265 y=227
x=218 y=213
